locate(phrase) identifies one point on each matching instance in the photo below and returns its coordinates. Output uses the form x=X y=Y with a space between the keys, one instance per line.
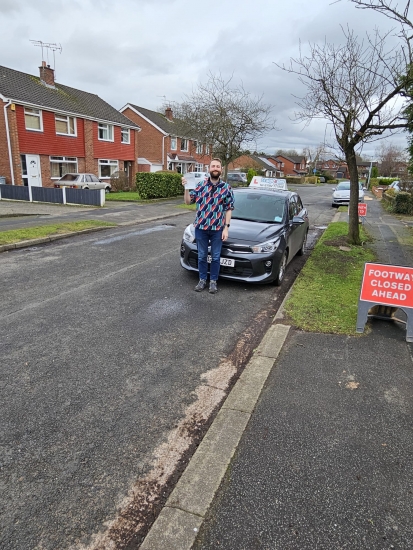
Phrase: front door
x=34 y=175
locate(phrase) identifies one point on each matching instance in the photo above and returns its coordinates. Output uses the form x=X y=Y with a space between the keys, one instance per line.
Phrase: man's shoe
x=213 y=289
x=200 y=286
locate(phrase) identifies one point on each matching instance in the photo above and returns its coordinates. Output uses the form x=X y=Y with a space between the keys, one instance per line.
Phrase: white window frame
x=64 y=118
x=174 y=143
x=62 y=160
x=36 y=113
x=104 y=127
x=125 y=132
x=198 y=149
x=185 y=142
x=199 y=167
x=108 y=162
x=207 y=148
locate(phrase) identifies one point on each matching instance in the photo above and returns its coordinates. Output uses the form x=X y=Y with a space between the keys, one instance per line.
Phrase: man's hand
x=225 y=234
x=184 y=181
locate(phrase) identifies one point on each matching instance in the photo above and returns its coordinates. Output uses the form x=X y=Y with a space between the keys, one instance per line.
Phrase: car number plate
x=224 y=261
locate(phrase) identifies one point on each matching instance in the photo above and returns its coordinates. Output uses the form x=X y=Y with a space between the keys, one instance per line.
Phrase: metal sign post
x=384 y=289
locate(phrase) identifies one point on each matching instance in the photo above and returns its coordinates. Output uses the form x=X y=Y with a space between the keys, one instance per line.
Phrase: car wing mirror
x=334 y=188
x=298 y=220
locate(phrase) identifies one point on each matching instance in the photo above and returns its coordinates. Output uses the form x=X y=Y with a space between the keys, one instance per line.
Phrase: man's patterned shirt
x=212 y=201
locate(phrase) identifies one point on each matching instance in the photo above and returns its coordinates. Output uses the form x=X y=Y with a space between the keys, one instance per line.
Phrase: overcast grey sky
x=146 y=51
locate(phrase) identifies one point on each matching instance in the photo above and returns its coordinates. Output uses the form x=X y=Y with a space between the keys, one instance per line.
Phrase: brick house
x=337 y=168
x=257 y=162
x=291 y=166
x=163 y=142
x=48 y=129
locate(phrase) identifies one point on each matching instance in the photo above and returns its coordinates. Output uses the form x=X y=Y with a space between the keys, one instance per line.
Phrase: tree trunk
x=353 y=223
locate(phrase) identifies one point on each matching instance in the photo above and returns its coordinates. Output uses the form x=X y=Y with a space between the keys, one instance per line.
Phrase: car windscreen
x=259 y=208
x=69 y=177
x=343 y=186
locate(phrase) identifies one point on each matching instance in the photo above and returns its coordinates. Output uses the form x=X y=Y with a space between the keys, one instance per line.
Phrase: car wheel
x=107 y=189
x=281 y=270
x=303 y=248
x=85 y=187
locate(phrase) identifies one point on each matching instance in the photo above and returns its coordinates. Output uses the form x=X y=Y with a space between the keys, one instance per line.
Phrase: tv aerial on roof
x=48 y=46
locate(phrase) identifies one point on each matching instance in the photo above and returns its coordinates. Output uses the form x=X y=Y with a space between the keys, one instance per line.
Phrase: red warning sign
x=362 y=209
x=390 y=285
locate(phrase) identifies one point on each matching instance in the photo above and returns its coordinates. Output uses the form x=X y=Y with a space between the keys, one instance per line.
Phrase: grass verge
x=17 y=235
x=130 y=196
x=325 y=295
x=187 y=206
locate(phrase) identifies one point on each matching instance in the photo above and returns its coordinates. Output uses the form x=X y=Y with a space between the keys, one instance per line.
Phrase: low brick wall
x=377 y=191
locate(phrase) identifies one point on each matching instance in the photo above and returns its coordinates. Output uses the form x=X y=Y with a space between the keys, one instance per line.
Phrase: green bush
x=385 y=181
x=294 y=179
x=159 y=185
x=373 y=182
x=250 y=174
x=403 y=203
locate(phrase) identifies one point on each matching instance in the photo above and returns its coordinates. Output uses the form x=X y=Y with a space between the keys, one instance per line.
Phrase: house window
x=184 y=144
x=173 y=143
x=105 y=132
x=125 y=135
x=198 y=148
x=59 y=166
x=107 y=167
x=33 y=119
x=199 y=167
x=207 y=149
x=65 y=125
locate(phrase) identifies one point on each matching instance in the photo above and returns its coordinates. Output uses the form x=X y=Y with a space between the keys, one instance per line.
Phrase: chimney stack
x=46 y=74
x=169 y=113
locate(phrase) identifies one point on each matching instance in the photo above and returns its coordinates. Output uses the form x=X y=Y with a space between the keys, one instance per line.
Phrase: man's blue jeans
x=205 y=237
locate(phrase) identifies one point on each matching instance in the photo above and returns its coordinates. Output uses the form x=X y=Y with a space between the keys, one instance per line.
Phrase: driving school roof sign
x=386 y=285
x=268 y=183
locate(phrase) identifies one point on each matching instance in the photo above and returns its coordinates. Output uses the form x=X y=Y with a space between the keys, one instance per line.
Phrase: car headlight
x=189 y=235
x=265 y=248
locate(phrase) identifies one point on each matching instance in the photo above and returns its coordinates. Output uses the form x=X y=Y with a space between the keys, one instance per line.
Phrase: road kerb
x=177 y=525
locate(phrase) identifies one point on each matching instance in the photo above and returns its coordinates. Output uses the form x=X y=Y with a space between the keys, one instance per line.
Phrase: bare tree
x=392 y=159
x=355 y=87
x=226 y=116
x=287 y=152
x=313 y=155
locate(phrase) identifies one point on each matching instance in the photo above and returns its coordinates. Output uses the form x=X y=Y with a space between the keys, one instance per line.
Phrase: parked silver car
x=341 y=193
x=83 y=181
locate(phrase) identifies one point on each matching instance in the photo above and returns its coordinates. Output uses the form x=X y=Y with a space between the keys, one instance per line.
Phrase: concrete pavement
x=325 y=460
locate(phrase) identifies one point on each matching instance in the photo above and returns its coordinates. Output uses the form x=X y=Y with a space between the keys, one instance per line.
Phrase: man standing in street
x=214 y=201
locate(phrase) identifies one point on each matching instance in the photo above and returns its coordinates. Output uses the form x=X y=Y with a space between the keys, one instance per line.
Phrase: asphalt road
x=104 y=350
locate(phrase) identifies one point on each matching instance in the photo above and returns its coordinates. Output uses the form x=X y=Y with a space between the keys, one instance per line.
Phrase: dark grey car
x=268 y=228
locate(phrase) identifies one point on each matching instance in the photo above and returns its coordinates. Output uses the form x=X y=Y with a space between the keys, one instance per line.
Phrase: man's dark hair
x=219 y=160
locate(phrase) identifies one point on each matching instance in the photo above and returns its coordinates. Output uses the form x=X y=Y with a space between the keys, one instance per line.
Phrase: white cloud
x=148 y=50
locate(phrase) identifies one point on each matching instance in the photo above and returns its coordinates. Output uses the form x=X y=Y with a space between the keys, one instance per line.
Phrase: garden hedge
x=156 y=185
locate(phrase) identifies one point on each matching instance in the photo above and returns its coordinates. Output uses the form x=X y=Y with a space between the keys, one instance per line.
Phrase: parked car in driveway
x=236 y=177
x=395 y=185
x=341 y=193
x=268 y=228
x=83 y=181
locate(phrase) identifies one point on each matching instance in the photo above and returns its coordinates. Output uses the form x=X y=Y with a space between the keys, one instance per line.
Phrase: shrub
x=311 y=179
x=403 y=203
x=159 y=185
x=294 y=179
x=385 y=181
x=119 y=181
x=390 y=192
x=373 y=182
x=250 y=174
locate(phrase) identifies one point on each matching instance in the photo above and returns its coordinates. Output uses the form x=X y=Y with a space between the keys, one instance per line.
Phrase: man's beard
x=215 y=174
